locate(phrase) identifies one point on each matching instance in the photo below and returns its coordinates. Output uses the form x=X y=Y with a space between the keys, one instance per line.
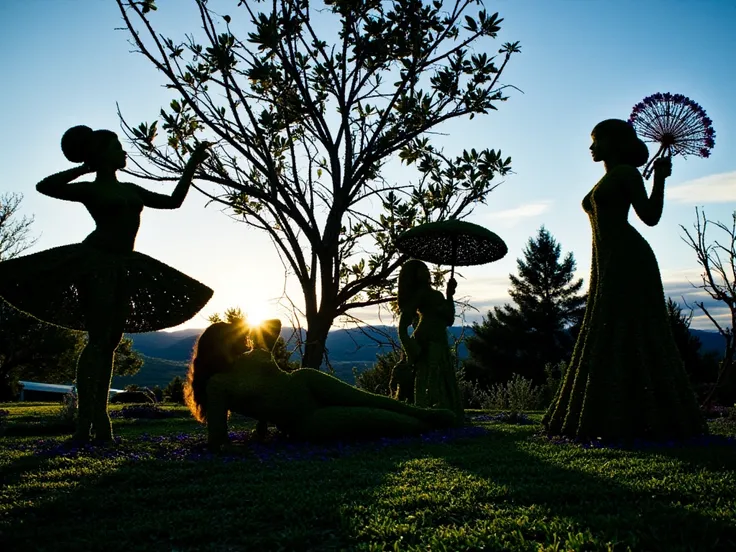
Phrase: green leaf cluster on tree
x=303 y=128
x=542 y=325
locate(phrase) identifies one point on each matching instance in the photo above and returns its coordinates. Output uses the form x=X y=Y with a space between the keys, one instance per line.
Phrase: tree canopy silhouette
x=305 y=120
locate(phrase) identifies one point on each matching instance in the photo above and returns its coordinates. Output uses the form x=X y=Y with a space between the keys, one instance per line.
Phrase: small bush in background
x=4 y=414
x=174 y=391
x=158 y=393
x=68 y=410
x=554 y=374
x=132 y=397
x=472 y=395
x=377 y=378
x=518 y=395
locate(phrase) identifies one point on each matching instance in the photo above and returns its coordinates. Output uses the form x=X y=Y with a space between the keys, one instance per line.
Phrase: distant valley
x=166 y=354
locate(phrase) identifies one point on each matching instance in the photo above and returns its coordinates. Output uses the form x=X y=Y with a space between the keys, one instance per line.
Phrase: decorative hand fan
x=676 y=122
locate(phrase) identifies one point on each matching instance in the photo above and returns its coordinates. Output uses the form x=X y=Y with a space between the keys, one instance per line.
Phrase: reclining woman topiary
x=101 y=285
x=305 y=404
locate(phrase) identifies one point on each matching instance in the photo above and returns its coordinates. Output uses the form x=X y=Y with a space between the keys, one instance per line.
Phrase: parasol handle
x=454 y=257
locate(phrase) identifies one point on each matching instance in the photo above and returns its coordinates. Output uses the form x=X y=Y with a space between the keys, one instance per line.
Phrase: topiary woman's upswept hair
x=630 y=149
x=81 y=144
x=212 y=354
x=413 y=277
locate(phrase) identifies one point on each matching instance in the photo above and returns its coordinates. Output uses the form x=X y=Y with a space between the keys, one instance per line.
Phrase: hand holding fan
x=677 y=123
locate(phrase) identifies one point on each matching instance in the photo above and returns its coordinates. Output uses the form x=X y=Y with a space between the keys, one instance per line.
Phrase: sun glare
x=257 y=313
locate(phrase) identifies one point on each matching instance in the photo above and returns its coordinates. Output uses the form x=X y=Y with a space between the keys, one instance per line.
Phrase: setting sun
x=256 y=312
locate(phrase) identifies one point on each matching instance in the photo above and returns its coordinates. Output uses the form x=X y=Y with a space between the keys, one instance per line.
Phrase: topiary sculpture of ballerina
x=305 y=404
x=625 y=379
x=101 y=285
x=426 y=377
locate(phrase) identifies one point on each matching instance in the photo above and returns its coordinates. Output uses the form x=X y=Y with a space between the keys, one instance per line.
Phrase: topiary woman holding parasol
x=101 y=285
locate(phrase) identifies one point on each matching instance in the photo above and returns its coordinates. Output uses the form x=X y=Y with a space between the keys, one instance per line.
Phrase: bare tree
x=303 y=128
x=717 y=258
x=14 y=233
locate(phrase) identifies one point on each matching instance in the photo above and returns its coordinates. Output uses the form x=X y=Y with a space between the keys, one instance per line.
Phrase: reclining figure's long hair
x=211 y=355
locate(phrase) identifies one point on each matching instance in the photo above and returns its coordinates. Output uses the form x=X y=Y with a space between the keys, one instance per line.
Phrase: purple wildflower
x=504 y=417
x=193 y=447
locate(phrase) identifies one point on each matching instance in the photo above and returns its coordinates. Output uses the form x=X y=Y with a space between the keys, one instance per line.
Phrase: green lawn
x=503 y=489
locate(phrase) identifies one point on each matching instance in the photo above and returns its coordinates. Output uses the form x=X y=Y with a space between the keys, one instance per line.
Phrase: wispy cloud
x=509 y=217
x=716 y=188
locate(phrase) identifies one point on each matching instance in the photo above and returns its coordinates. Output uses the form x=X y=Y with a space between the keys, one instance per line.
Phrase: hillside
x=155 y=371
x=166 y=354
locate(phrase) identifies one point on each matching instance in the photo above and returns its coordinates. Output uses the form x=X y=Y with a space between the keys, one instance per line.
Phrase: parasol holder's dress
x=435 y=383
x=63 y=285
x=625 y=379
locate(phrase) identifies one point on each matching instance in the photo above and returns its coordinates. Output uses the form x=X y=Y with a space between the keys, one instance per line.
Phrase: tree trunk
x=318 y=327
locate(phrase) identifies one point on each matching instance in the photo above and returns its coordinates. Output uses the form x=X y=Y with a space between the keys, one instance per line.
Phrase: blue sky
x=582 y=61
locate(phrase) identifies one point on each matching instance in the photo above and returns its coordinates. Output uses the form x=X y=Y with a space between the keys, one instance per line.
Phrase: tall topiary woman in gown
x=625 y=379
x=428 y=374
x=101 y=285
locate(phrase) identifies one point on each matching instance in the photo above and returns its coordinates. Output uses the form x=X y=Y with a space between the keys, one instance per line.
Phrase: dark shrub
x=142 y=411
x=132 y=397
x=174 y=391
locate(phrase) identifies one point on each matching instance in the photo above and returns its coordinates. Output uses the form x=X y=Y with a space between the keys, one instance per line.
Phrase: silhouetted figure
x=101 y=285
x=306 y=404
x=427 y=376
x=625 y=379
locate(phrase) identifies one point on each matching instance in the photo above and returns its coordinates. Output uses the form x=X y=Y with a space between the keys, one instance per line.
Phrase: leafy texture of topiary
x=625 y=379
x=427 y=375
x=305 y=404
x=103 y=286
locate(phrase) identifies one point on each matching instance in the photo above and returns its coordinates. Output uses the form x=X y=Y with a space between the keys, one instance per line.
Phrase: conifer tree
x=542 y=325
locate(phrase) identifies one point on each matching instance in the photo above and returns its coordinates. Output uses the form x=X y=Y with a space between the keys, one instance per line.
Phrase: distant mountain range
x=166 y=354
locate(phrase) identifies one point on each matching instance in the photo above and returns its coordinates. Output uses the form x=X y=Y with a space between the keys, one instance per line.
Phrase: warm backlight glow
x=257 y=312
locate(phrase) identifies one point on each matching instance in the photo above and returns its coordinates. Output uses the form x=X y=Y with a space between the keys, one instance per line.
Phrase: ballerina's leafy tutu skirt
x=54 y=285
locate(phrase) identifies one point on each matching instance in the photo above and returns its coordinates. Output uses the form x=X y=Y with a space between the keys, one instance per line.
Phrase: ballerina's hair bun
x=77 y=143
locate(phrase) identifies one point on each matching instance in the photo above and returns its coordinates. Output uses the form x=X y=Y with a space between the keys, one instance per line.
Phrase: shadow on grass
x=504 y=490
x=223 y=503
x=653 y=499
